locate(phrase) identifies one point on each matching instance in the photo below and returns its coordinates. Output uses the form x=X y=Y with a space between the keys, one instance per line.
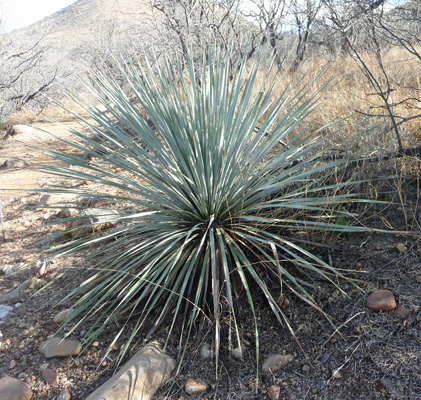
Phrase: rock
x=12 y=364
x=401 y=311
x=64 y=395
x=306 y=368
x=63 y=315
x=275 y=362
x=415 y=309
x=13 y=295
x=193 y=386
x=67 y=212
x=418 y=278
x=19 y=130
x=381 y=300
x=14 y=389
x=14 y=163
x=285 y=304
x=57 y=347
x=274 y=392
x=46 y=199
x=237 y=353
x=40 y=268
x=388 y=384
x=92 y=220
x=139 y=378
x=401 y=248
x=4 y=310
x=336 y=374
x=205 y=351
x=23 y=376
x=50 y=376
x=12 y=269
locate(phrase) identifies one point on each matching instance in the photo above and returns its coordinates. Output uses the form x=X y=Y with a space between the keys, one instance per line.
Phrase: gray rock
x=205 y=351
x=58 y=347
x=14 y=389
x=139 y=378
x=4 y=310
x=63 y=315
x=93 y=220
x=12 y=269
x=275 y=362
x=49 y=199
x=64 y=395
x=14 y=295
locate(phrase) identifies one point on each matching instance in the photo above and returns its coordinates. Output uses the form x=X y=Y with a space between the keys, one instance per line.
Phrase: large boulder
x=139 y=378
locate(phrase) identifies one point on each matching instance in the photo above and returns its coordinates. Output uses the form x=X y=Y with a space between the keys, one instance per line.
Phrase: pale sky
x=20 y=13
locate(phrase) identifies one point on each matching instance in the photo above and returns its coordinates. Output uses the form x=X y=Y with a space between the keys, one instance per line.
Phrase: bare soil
x=371 y=355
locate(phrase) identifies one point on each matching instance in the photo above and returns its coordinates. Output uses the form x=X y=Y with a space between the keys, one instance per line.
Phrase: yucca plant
x=193 y=155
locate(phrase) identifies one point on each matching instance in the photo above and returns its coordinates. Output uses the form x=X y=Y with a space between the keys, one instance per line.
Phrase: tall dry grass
x=353 y=95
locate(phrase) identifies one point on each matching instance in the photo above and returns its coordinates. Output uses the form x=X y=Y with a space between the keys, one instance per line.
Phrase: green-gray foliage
x=210 y=195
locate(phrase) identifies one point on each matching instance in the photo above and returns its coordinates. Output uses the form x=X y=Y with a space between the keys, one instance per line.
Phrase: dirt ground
x=371 y=355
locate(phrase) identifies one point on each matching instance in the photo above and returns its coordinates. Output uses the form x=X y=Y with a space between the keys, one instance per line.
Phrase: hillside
x=88 y=20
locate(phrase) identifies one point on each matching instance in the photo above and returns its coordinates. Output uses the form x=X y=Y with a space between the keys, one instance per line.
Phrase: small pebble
x=381 y=300
x=274 y=392
x=402 y=249
x=401 y=311
x=418 y=278
x=306 y=368
x=12 y=364
x=275 y=362
x=194 y=387
x=64 y=395
x=50 y=376
x=205 y=351
x=237 y=353
x=336 y=374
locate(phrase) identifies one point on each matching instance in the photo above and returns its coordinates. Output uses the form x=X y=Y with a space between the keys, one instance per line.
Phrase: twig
x=2 y=222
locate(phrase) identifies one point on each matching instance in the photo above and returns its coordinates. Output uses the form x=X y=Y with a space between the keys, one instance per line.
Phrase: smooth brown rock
x=401 y=248
x=63 y=315
x=58 y=347
x=139 y=378
x=14 y=389
x=418 y=278
x=381 y=300
x=274 y=392
x=50 y=376
x=401 y=311
x=275 y=362
x=193 y=387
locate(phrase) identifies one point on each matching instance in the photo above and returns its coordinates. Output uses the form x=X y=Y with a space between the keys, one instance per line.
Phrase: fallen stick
x=2 y=221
